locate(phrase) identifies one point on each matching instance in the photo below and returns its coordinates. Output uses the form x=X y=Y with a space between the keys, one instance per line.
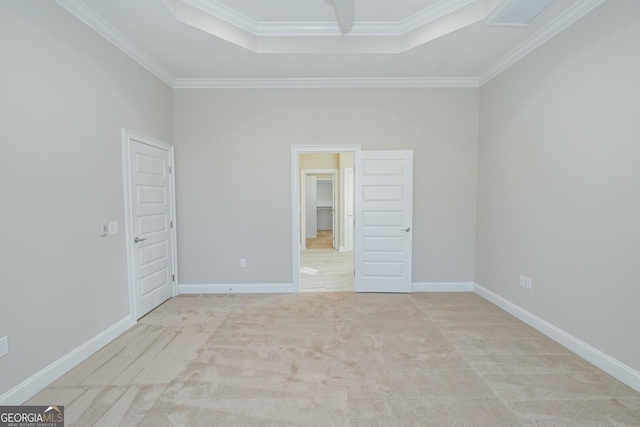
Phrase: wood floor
x=326 y=270
x=323 y=241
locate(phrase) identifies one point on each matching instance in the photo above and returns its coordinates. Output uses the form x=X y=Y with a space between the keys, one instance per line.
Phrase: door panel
x=151 y=225
x=383 y=210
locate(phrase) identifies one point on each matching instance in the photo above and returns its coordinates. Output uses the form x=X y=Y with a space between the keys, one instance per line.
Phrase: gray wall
x=65 y=93
x=559 y=181
x=230 y=206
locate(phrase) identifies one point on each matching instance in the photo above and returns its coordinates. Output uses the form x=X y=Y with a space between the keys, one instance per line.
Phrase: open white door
x=383 y=209
x=150 y=208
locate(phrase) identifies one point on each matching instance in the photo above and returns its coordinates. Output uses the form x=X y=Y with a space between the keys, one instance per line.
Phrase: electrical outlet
x=521 y=282
x=4 y=346
x=113 y=228
x=243 y=262
x=528 y=283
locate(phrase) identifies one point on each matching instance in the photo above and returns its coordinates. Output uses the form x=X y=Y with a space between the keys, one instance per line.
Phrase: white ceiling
x=234 y=41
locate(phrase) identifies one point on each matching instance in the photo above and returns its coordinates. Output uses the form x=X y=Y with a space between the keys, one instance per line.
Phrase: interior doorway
x=323 y=258
x=319 y=204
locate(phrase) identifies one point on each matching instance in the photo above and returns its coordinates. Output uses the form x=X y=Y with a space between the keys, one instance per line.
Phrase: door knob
x=406 y=229
x=137 y=239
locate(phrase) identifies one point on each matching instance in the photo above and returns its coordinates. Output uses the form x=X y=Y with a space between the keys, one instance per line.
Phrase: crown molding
x=319 y=83
x=559 y=24
x=102 y=27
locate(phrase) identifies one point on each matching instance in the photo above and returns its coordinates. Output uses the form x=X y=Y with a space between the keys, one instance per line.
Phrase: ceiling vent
x=519 y=13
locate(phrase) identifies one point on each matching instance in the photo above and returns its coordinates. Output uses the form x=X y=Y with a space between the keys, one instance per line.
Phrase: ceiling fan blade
x=346 y=14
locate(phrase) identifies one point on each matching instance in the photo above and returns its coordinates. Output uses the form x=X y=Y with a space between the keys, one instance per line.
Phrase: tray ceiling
x=293 y=43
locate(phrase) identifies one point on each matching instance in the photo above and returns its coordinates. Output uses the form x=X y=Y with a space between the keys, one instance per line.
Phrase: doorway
x=321 y=259
x=382 y=209
x=319 y=204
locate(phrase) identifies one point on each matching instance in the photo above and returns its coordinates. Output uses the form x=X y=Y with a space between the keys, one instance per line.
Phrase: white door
x=348 y=209
x=151 y=214
x=334 y=216
x=311 y=208
x=383 y=209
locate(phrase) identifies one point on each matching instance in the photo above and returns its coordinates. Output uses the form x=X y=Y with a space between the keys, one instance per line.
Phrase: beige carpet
x=337 y=359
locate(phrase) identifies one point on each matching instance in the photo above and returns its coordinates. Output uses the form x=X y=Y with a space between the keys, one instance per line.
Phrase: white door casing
x=297 y=185
x=334 y=213
x=383 y=210
x=150 y=213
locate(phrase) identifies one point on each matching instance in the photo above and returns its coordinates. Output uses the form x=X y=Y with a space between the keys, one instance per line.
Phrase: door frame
x=127 y=137
x=348 y=246
x=303 y=224
x=296 y=150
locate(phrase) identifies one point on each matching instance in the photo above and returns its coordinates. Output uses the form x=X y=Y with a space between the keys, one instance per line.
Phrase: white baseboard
x=442 y=287
x=237 y=288
x=616 y=369
x=342 y=249
x=33 y=385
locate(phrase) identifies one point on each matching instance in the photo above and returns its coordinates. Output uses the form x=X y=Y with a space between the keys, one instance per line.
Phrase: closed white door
x=383 y=209
x=151 y=215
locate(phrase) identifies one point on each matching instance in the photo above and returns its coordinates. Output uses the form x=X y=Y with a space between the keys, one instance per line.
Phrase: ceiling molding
x=78 y=9
x=559 y=24
x=98 y=24
x=319 y=83
x=295 y=29
x=222 y=21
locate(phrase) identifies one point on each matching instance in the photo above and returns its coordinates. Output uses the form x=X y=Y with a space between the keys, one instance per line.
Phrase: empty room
x=333 y=212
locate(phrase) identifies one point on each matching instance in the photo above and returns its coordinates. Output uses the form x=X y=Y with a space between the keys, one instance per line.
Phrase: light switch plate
x=113 y=228
x=528 y=285
x=103 y=228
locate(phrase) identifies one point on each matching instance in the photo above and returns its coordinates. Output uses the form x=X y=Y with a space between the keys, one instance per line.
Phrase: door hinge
x=171 y=224
x=169 y=170
x=173 y=276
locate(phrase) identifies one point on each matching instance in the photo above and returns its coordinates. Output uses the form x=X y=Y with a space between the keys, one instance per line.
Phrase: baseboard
x=34 y=384
x=237 y=288
x=442 y=287
x=616 y=369
x=342 y=249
